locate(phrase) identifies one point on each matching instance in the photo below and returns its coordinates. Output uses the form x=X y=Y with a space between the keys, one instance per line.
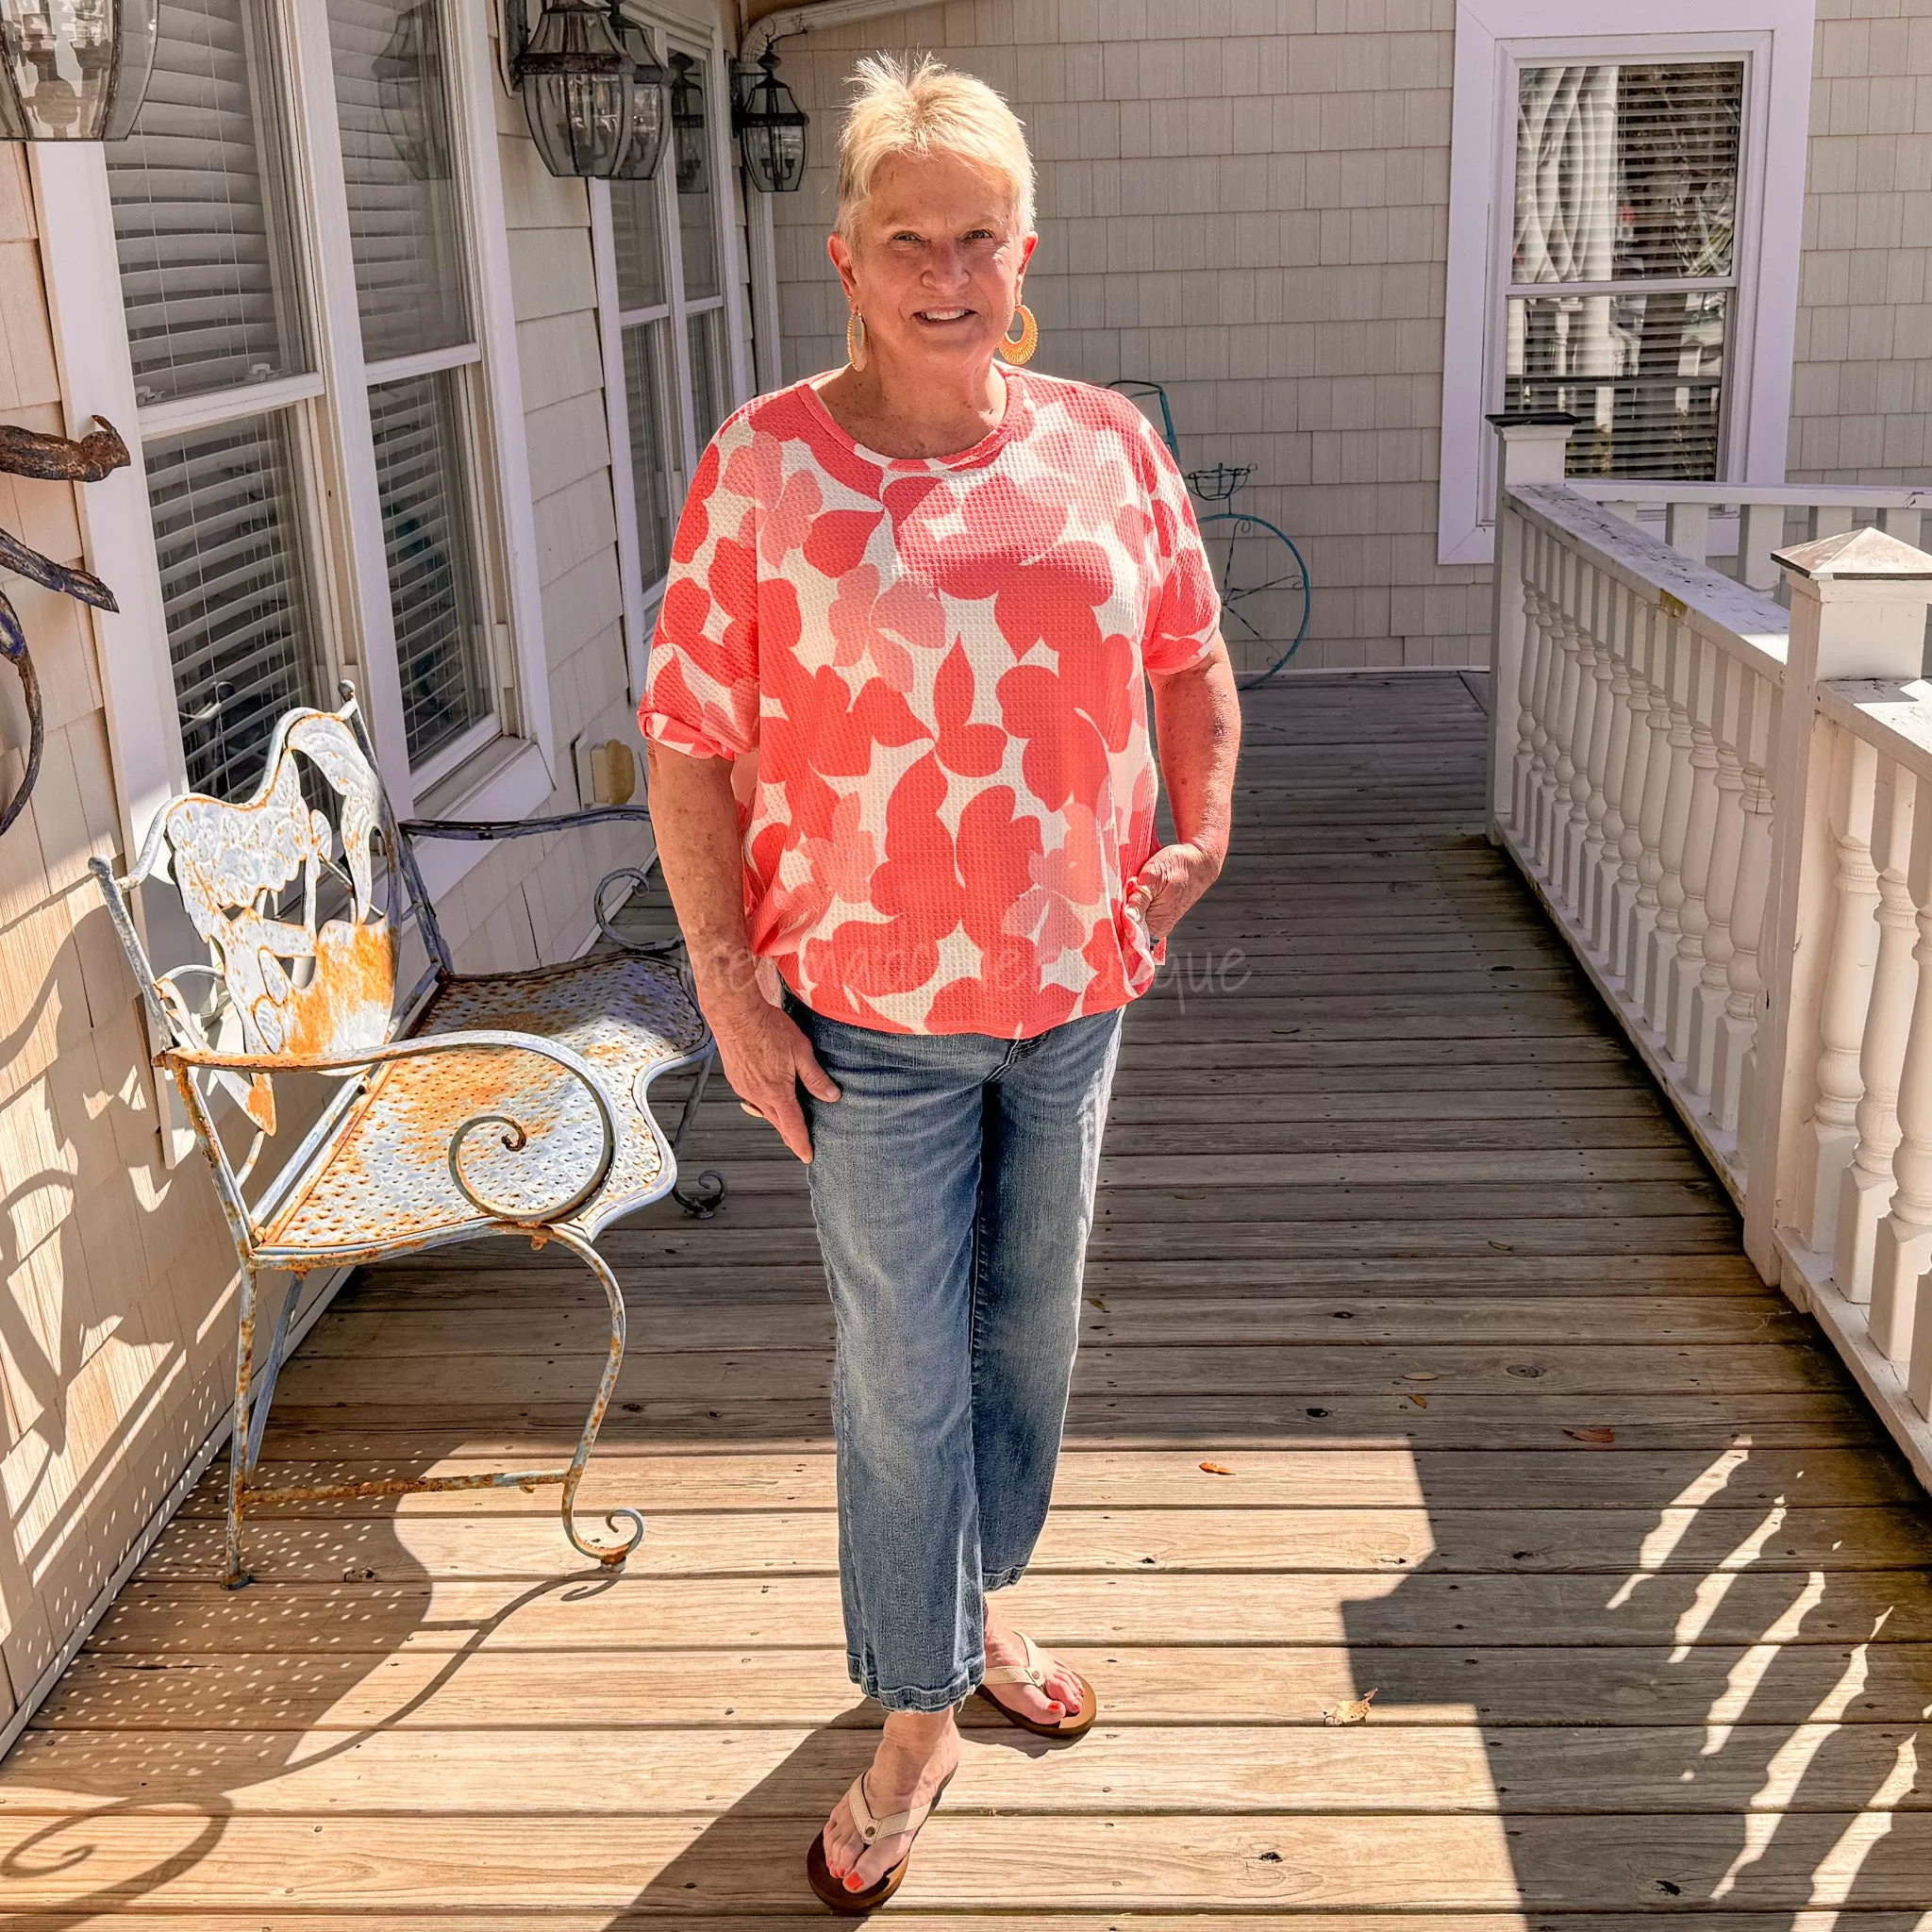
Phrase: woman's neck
x=903 y=413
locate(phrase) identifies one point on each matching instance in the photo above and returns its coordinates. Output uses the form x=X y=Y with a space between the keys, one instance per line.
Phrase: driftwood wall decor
x=49 y=460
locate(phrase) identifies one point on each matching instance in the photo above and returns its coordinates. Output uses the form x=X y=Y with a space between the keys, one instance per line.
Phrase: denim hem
x=1004 y=1580
x=930 y=1702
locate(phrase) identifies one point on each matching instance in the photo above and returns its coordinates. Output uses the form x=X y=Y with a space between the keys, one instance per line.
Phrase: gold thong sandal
x=832 y=1891
x=1074 y=1724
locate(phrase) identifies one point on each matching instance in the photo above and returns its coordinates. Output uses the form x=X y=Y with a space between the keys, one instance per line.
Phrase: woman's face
x=935 y=263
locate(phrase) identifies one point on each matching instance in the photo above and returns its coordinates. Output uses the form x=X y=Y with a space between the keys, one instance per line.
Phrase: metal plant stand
x=512 y=1102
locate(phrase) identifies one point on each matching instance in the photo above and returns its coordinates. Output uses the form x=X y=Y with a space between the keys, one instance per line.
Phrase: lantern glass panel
x=649 y=112
x=688 y=125
x=577 y=89
x=73 y=70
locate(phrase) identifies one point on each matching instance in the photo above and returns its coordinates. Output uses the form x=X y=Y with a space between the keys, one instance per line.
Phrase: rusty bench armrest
x=483 y=831
x=182 y=1060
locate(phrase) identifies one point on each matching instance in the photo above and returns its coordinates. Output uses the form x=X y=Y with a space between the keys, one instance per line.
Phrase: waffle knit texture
x=930 y=676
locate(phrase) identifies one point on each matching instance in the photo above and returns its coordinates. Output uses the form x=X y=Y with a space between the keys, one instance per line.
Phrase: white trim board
x=1777 y=35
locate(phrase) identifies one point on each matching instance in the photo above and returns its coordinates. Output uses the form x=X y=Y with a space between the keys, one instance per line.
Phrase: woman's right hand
x=766 y=1058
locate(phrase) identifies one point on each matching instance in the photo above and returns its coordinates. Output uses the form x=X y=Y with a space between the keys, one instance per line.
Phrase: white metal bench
x=511 y=1103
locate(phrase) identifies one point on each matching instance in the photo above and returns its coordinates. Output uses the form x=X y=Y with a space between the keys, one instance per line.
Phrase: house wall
x=1247 y=200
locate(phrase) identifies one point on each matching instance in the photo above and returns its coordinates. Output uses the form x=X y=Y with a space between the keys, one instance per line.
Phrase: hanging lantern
x=771 y=131
x=649 y=121
x=688 y=122
x=73 y=70
x=407 y=78
x=578 y=86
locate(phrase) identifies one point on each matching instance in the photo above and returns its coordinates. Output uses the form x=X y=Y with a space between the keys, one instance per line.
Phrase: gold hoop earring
x=855 y=340
x=1022 y=351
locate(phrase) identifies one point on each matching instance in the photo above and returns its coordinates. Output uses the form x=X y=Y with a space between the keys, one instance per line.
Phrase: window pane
x=227 y=535
x=645 y=353
x=1646 y=370
x=637 y=232
x=706 y=373
x=1627 y=172
x=201 y=218
x=697 y=218
x=405 y=218
x=420 y=463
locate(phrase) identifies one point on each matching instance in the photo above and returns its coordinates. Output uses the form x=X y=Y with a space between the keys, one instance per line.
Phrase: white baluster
x=1524 y=762
x=1676 y=822
x=1582 y=732
x=1636 y=634
x=1738 y=1031
x=1687 y=528
x=1713 y=986
x=1760 y=531
x=1824 y=1150
x=1562 y=730
x=1686 y=968
x=1865 y=1192
x=1549 y=701
x=1596 y=804
x=1656 y=780
x=1538 y=647
x=1903 y=1250
x=1616 y=771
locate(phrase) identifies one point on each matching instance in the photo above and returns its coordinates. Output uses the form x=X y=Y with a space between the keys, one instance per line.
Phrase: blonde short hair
x=899 y=109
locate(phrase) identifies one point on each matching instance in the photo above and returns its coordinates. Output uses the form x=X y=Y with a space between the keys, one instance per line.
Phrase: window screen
x=1623 y=266
x=426 y=537
x=201 y=217
x=646 y=390
x=228 y=524
x=405 y=213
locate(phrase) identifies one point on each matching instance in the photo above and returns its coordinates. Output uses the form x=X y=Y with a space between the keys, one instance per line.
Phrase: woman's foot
x=1057 y=1697
x=917 y=1755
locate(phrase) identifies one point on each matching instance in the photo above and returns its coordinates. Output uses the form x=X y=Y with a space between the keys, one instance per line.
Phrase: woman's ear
x=837 y=248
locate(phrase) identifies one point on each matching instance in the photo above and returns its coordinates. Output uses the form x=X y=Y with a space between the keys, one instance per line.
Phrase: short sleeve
x=701 y=693
x=1185 y=617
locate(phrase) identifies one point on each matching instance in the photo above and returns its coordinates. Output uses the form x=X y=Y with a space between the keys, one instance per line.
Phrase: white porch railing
x=1727 y=808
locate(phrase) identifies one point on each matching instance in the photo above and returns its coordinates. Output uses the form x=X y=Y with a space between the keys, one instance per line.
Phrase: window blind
x=1626 y=175
x=646 y=348
x=233 y=585
x=392 y=85
x=637 y=242
x=201 y=220
x=426 y=528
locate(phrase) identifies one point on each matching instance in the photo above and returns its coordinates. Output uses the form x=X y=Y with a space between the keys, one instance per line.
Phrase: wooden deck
x=1392 y=1229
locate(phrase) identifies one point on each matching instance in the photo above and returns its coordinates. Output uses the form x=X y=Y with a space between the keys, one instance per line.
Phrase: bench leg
x=575 y=1475
x=701 y=1200
x=236 y=1577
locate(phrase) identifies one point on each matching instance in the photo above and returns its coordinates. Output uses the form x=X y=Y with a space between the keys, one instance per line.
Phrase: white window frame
x=670 y=32
x=1492 y=39
x=508 y=770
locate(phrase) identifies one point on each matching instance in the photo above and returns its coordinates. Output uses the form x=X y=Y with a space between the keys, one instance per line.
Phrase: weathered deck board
x=1392 y=1228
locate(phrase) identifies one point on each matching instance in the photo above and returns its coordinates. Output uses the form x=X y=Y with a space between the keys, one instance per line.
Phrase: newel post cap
x=1857 y=557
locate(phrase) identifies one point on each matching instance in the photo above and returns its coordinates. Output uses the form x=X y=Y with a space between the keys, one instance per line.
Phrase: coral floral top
x=929 y=674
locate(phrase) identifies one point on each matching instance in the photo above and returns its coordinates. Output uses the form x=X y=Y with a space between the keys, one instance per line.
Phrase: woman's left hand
x=1161 y=893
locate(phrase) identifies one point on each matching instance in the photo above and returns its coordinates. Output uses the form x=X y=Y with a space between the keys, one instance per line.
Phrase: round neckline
x=959 y=459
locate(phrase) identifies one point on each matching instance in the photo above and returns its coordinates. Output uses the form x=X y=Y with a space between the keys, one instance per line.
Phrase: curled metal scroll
x=47 y=460
x=639 y=878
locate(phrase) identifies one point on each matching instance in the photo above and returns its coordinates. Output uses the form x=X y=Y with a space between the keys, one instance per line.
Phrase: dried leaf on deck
x=1216 y=1469
x=1097 y=1302
x=1419 y=1401
x=1355 y=1713
x=1599 y=1436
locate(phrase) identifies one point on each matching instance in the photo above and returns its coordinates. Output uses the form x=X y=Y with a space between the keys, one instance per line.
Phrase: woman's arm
x=765 y=1056
x=1197 y=715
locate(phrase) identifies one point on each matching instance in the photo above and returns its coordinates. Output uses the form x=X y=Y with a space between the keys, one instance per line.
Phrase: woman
x=904 y=791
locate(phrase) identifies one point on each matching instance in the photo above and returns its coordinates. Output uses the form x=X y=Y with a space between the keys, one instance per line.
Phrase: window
x=666 y=250
x=1623 y=241
x=298 y=197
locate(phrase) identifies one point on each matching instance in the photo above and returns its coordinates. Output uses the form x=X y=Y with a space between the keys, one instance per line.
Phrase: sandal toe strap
x=1029 y=1672
x=873 y=1829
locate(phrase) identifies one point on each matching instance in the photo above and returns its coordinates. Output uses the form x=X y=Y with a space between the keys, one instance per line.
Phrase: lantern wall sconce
x=74 y=69
x=592 y=95
x=770 y=127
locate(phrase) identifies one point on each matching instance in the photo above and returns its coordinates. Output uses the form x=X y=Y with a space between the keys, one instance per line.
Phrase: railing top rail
x=1789 y=495
x=1742 y=621
x=1894 y=719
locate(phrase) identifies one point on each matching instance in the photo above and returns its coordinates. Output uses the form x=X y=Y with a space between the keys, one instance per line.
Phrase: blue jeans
x=953 y=1188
